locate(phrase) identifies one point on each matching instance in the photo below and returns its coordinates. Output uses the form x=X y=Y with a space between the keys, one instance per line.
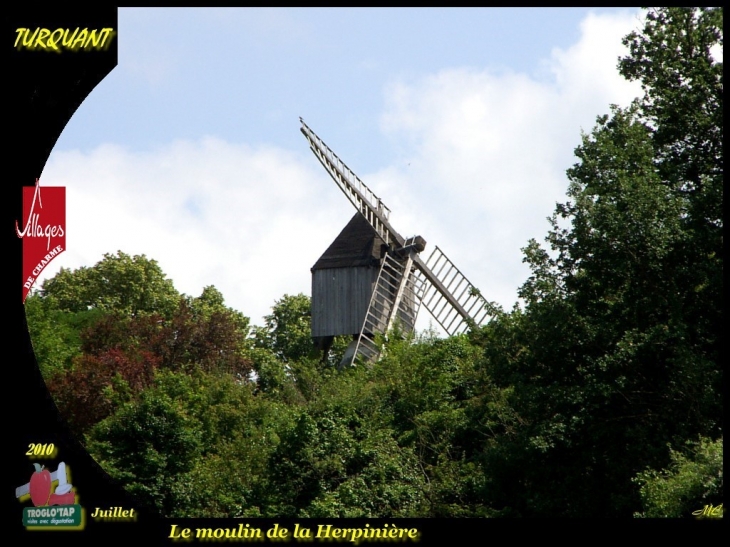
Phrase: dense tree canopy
x=618 y=350
x=120 y=282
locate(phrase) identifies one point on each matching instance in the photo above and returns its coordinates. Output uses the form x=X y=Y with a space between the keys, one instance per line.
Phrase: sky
x=463 y=121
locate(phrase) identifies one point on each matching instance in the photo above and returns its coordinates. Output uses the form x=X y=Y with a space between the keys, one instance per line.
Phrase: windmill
x=371 y=277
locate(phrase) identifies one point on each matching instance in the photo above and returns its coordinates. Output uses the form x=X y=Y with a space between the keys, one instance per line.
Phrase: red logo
x=44 y=230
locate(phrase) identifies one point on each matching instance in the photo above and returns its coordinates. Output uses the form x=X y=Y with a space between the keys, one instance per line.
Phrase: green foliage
x=225 y=484
x=386 y=440
x=283 y=355
x=430 y=393
x=118 y=283
x=288 y=332
x=385 y=481
x=683 y=100
x=211 y=303
x=100 y=333
x=336 y=462
x=55 y=334
x=690 y=482
x=168 y=445
x=271 y=373
x=149 y=443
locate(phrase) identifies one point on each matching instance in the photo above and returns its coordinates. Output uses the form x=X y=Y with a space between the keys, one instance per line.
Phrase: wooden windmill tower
x=371 y=277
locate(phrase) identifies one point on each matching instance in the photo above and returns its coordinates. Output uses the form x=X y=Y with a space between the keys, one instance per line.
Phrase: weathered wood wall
x=340 y=298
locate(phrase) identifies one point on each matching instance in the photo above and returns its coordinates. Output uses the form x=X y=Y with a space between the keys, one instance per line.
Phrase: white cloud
x=588 y=70
x=246 y=220
x=487 y=152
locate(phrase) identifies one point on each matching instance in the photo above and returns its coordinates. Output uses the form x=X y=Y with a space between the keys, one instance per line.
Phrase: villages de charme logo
x=44 y=230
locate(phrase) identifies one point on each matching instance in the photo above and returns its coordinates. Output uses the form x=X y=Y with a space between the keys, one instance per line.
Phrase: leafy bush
x=690 y=482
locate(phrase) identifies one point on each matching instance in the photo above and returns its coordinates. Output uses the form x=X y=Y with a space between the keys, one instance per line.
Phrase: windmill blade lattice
x=449 y=296
x=364 y=199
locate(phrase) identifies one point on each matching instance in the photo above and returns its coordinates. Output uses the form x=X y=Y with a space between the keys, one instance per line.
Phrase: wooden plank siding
x=340 y=298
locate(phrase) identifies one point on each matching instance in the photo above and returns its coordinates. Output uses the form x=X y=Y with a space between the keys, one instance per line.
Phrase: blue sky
x=462 y=120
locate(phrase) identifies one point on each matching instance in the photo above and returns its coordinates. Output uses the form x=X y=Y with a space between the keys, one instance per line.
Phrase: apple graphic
x=40 y=486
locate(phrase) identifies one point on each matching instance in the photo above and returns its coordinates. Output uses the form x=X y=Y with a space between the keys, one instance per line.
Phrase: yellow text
x=60 y=39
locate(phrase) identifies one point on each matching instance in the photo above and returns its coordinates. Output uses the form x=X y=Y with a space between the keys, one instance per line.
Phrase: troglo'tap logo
x=52 y=507
x=44 y=230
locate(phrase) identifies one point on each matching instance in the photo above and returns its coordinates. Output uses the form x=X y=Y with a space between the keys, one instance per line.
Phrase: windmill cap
x=416 y=243
x=419 y=243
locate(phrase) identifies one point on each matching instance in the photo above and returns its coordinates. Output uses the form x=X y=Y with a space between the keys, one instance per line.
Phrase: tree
x=683 y=84
x=431 y=394
x=617 y=353
x=192 y=445
x=100 y=333
x=211 y=302
x=339 y=460
x=288 y=329
x=120 y=283
x=121 y=352
x=690 y=482
x=55 y=334
x=149 y=443
x=90 y=391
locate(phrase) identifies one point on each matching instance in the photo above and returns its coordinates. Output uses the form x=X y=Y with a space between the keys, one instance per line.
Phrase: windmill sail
x=449 y=296
x=364 y=199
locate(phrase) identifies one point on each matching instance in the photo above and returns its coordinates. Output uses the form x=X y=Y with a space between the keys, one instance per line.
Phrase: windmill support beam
x=401 y=290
